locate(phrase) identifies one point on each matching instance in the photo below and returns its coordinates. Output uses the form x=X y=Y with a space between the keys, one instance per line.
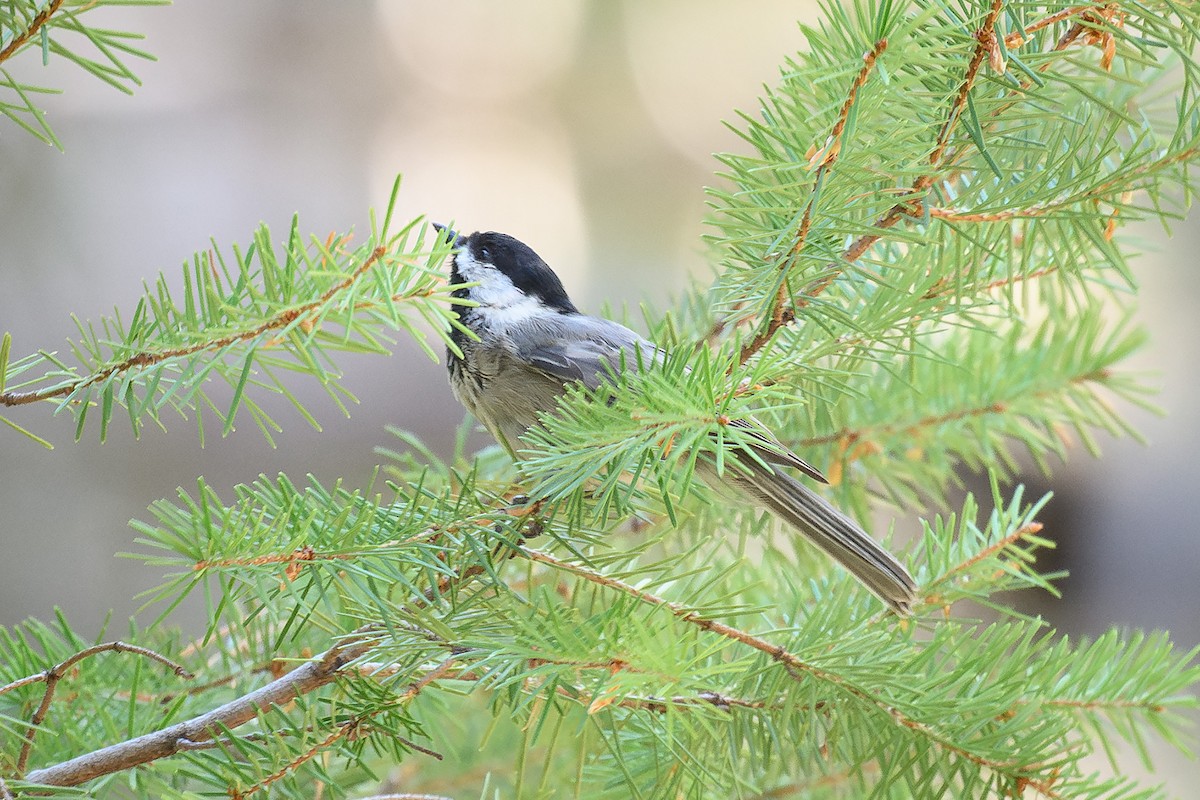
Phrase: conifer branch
x=824 y=782
x=795 y=666
x=985 y=36
x=780 y=312
x=305 y=678
x=990 y=551
x=1121 y=182
x=1014 y=40
x=52 y=676
x=861 y=438
x=145 y=359
x=35 y=24
x=928 y=372
x=349 y=730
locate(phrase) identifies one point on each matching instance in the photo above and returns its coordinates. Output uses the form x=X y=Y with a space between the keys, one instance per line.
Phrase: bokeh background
x=584 y=127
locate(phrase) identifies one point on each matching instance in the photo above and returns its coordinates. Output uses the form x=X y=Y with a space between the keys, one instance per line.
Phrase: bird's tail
x=829 y=529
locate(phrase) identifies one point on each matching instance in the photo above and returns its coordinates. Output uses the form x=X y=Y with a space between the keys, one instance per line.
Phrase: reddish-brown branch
x=985 y=37
x=822 y=783
x=781 y=313
x=35 y=24
x=1104 y=705
x=52 y=676
x=1020 y=533
x=277 y=322
x=852 y=435
x=945 y=287
x=1014 y=40
x=660 y=705
x=795 y=666
x=1119 y=180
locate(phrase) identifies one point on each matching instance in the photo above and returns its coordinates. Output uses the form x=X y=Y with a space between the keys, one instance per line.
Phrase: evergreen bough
x=922 y=269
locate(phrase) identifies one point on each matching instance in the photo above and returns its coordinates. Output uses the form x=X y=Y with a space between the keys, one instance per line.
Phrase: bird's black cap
x=525 y=268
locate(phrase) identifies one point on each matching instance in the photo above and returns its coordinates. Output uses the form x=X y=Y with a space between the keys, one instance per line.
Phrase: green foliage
x=58 y=29
x=923 y=269
x=249 y=318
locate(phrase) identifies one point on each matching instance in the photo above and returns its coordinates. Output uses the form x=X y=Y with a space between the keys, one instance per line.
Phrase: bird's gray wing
x=580 y=348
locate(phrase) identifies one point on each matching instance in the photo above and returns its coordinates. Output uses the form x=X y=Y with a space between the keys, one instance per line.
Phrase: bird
x=528 y=343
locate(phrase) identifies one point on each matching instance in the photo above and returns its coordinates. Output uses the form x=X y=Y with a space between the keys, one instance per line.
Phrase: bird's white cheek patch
x=513 y=313
x=495 y=290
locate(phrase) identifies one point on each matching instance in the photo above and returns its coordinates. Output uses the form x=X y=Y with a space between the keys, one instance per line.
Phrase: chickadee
x=532 y=342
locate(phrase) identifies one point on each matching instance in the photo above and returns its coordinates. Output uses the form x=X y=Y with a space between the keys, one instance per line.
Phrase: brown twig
x=1096 y=192
x=935 y=598
x=1104 y=705
x=849 y=436
x=1020 y=533
x=795 y=666
x=985 y=37
x=52 y=676
x=350 y=729
x=259 y=736
x=167 y=741
x=347 y=730
x=56 y=672
x=659 y=705
x=145 y=359
x=781 y=313
x=303 y=679
x=1014 y=40
x=35 y=24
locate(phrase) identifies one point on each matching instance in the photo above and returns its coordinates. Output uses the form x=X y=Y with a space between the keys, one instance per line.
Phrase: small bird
x=532 y=342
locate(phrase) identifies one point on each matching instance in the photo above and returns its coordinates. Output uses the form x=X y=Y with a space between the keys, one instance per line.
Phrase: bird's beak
x=455 y=239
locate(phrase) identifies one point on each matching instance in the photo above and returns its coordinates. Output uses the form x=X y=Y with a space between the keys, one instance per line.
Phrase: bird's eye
x=485 y=253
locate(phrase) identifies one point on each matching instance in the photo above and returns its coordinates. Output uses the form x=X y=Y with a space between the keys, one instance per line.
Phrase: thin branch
x=850 y=436
x=35 y=24
x=781 y=313
x=1106 y=705
x=307 y=554
x=168 y=741
x=347 y=730
x=1029 y=529
x=1096 y=192
x=259 y=736
x=985 y=37
x=1015 y=40
x=659 y=705
x=145 y=359
x=795 y=666
x=55 y=674
x=350 y=729
x=303 y=679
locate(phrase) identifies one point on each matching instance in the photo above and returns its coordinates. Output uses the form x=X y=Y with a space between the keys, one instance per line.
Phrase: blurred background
x=584 y=127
